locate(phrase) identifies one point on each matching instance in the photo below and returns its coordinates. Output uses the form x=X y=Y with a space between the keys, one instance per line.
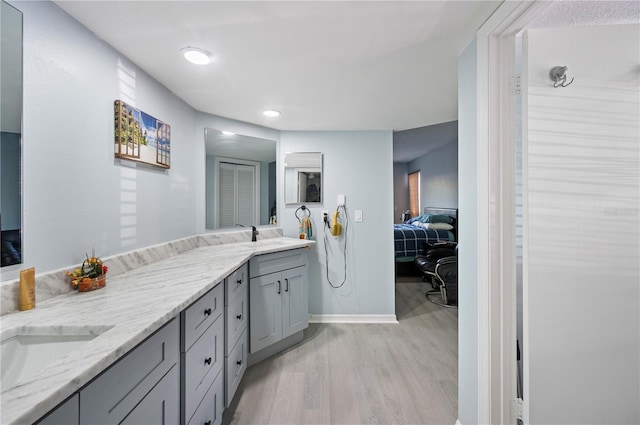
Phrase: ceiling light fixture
x=228 y=133
x=196 y=55
x=271 y=113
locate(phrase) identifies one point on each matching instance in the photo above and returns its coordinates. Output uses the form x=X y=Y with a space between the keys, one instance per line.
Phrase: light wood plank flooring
x=361 y=373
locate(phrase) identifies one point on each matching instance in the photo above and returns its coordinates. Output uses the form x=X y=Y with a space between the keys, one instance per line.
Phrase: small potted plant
x=92 y=274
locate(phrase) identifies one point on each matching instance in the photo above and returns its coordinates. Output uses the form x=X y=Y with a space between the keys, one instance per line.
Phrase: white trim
x=353 y=318
x=458 y=422
x=496 y=200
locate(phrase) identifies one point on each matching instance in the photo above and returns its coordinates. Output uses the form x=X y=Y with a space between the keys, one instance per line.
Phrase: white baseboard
x=353 y=318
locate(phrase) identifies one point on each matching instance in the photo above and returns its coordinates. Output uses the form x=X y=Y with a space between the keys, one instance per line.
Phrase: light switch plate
x=358 y=216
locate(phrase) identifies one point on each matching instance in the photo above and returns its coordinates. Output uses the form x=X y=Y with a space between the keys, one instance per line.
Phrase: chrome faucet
x=254 y=233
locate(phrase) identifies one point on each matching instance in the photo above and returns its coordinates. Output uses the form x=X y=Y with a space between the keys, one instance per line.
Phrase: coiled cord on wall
x=326 y=252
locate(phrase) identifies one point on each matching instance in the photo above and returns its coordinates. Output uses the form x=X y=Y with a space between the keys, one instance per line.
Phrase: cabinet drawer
x=277 y=261
x=161 y=405
x=237 y=314
x=236 y=366
x=111 y=396
x=200 y=315
x=236 y=283
x=202 y=363
x=210 y=410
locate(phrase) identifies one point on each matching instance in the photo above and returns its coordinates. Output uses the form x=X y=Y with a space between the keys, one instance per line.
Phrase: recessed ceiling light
x=271 y=113
x=228 y=133
x=196 y=55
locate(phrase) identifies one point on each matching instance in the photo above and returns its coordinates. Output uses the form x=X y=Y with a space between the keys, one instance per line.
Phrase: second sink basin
x=26 y=350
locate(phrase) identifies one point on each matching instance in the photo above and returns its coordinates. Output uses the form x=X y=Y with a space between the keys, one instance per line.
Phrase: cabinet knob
x=207 y=423
x=207 y=360
x=239 y=281
x=239 y=317
x=239 y=362
x=207 y=312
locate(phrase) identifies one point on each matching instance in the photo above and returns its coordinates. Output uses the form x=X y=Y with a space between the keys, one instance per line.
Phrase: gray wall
x=438 y=166
x=438 y=175
x=357 y=164
x=68 y=149
x=467 y=236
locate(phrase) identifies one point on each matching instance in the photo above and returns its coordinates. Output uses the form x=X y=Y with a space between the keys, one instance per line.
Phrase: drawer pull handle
x=207 y=312
x=279 y=291
x=239 y=281
x=207 y=423
x=207 y=360
x=239 y=362
x=239 y=317
x=286 y=285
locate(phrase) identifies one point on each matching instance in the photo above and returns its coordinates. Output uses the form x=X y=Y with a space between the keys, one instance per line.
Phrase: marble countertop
x=133 y=305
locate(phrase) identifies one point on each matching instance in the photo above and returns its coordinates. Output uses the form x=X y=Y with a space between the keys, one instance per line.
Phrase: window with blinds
x=414 y=193
x=236 y=195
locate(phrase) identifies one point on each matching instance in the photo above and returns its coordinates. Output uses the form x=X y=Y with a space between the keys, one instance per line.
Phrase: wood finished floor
x=361 y=373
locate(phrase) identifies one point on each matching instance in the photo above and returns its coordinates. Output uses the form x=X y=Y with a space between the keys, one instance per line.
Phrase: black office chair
x=439 y=266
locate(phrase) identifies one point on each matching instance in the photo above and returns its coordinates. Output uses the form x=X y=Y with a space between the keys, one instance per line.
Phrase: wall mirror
x=11 y=135
x=240 y=180
x=303 y=178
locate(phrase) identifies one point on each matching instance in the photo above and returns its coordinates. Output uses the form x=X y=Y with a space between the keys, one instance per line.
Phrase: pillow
x=436 y=226
x=414 y=219
x=437 y=218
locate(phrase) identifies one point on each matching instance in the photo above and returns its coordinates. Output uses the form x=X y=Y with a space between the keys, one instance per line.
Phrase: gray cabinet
x=115 y=395
x=236 y=319
x=202 y=359
x=278 y=290
x=159 y=406
x=68 y=413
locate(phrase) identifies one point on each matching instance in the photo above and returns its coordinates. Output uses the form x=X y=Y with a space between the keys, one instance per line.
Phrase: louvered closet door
x=236 y=195
x=226 y=195
x=246 y=195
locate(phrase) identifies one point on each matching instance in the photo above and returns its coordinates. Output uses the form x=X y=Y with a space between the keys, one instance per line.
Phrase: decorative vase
x=93 y=284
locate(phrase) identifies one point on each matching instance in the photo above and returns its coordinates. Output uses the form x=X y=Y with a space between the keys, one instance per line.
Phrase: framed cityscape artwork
x=141 y=137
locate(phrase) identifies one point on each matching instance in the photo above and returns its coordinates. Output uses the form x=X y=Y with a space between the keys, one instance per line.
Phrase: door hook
x=558 y=76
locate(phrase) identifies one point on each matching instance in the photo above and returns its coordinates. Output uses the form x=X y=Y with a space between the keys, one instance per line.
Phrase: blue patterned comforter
x=409 y=239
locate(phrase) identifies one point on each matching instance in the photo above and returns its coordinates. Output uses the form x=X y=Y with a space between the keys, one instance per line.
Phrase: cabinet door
x=68 y=413
x=202 y=364
x=295 y=301
x=265 y=293
x=210 y=410
x=236 y=366
x=111 y=396
x=161 y=406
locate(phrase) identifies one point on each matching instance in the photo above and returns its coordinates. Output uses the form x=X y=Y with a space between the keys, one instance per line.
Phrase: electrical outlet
x=358 y=216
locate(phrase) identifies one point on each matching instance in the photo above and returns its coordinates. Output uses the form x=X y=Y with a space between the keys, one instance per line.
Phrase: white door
x=237 y=195
x=581 y=265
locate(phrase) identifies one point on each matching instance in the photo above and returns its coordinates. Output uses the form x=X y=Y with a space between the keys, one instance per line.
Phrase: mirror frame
x=19 y=99
x=251 y=152
x=306 y=167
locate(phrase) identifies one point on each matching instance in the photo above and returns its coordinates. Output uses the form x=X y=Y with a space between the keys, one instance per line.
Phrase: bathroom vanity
x=176 y=337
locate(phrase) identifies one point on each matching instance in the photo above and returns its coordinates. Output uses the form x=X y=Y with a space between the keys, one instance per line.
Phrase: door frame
x=496 y=231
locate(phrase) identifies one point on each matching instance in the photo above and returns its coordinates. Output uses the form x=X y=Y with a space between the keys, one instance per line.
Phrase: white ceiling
x=346 y=65
x=239 y=146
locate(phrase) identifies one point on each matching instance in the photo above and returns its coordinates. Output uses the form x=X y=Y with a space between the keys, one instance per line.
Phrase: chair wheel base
x=436 y=298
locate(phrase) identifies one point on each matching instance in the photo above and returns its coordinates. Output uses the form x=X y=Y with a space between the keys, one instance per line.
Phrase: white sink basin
x=26 y=350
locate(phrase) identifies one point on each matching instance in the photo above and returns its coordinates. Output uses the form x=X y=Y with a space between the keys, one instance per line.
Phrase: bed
x=410 y=237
